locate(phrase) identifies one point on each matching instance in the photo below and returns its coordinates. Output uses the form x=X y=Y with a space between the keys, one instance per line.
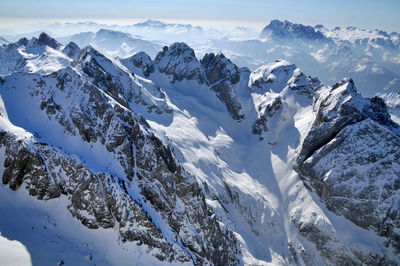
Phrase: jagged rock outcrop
x=350 y=158
x=124 y=87
x=338 y=108
x=222 y=75
x=272 y=77
x=41 y=55
x=270 y=82
x=139 y=60
x=72 y=50
x=286 y=29
x=45 y=39
x=179 y=62
x=266 y=110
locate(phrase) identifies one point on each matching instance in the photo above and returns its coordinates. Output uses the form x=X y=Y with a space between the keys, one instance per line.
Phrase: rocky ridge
x=349 y=156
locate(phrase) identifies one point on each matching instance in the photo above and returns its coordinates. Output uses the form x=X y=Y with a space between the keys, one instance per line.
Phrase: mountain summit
x=286 y=29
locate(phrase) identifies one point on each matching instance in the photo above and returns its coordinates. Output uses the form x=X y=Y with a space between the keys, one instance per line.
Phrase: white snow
x=13 y=253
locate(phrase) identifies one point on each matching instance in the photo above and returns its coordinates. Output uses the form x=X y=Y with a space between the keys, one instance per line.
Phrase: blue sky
x=383 y=14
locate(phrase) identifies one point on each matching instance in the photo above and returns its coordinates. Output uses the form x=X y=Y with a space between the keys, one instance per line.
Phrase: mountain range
x=369 y=57
x=172 y=159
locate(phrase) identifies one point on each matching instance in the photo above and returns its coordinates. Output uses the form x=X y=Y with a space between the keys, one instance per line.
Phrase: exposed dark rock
x=45 y=39
x=72 y=50
x=179 y=62
x=222 y=75
x=335 y=112
x=140 y=60
x=266 y=112
x=352 y=141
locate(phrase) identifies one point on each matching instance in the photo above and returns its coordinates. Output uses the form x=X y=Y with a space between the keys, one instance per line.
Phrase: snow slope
x=13 y=252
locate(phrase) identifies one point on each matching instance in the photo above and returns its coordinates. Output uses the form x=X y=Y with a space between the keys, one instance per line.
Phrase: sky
x=367 y=14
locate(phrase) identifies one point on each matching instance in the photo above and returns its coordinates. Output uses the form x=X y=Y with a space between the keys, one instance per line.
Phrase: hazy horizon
x=367 y=14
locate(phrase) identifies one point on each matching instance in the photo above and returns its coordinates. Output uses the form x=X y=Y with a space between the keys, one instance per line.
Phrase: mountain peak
x=218 y=67
x=139 y=60
x=286 y=29
x=178 y=47
x=179 y=61
x=222 y=74
x=348 y=83
x=268 y=76
x=45 y=39
x=72 y=50
x=111 y=33
x=150 y=23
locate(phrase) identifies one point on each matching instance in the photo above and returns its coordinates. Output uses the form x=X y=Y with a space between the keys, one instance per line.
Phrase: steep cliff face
x=72 y=50
x=179 y=62
x=141 y=61
x=350 y=157
x=222 y=75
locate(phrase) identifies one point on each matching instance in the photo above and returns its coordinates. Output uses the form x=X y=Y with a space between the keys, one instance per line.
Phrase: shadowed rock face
x=219 y=68
x=179 y=62
x=222 y=75
x=286 y=29
x=140 y=60
x=72 y=50
x=45 y=39
x=268 y=111
x=350 y=157
x=338 y=108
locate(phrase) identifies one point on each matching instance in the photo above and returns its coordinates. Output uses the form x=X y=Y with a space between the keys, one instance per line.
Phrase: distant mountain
x=37 y=55
x=369 y=57
x=286 y=29
x=116 y=43
x=174 y=27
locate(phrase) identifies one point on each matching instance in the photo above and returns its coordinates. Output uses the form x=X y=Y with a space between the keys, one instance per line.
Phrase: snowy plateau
x=173 y=144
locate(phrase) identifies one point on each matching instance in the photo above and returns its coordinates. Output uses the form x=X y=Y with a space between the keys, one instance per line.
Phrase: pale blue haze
x=363 y=13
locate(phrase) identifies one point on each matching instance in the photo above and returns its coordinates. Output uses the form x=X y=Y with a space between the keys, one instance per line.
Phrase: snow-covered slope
x=42 y=55
x=186 y=161
x=13 y=253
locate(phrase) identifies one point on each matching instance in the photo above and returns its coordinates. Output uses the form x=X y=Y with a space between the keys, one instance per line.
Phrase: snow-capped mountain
x=37 y=55
x=116 y=43
x=180 y=160
x=369 y=57
x=286 y=29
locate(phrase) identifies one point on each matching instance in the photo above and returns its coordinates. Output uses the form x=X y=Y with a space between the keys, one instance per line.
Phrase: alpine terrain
x=125 y=158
